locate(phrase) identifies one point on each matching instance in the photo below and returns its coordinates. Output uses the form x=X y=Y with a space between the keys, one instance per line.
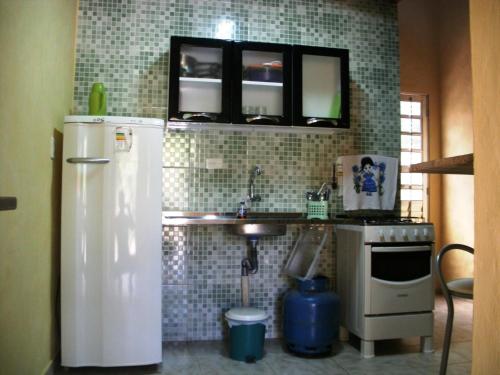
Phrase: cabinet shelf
x=262 y=83
x=200 y=80
x=287 y=129
x=461 y=164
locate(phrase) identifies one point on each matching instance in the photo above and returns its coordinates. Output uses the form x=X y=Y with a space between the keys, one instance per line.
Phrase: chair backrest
x=443 y=251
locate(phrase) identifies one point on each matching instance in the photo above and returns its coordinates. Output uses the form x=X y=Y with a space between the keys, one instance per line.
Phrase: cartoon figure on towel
x=365 y=177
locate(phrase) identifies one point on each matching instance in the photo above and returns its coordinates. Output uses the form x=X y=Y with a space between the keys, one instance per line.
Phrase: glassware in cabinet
x=199 y=80
x=262 y=83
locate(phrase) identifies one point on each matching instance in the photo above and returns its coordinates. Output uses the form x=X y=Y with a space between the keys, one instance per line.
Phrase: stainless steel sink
x=276 y=225
x=258 y=230
x=269 y=219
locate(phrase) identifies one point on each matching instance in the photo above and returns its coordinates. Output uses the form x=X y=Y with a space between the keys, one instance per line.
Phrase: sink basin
x=258 y=230
x=256 y=223
x=275 y=227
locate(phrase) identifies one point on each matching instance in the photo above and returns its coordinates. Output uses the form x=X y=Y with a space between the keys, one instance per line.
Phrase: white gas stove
x=385 y=280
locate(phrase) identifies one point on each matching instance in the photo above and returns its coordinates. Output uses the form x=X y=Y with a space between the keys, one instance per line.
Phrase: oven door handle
x=403 y=283
x=399 y=249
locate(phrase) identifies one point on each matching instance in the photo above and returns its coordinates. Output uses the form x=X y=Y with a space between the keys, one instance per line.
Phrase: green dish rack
x=317 y=210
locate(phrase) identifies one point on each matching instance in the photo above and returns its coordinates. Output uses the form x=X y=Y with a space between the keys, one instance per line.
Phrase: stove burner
x=395 y=220
x=377 y=220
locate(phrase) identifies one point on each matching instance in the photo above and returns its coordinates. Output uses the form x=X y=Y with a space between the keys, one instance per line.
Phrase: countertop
x=174 y=218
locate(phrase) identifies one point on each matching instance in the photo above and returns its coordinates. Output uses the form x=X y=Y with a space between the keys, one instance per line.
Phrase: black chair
x=462 y=288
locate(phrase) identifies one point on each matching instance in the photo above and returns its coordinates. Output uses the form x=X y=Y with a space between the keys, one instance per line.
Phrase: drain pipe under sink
x=249 y=265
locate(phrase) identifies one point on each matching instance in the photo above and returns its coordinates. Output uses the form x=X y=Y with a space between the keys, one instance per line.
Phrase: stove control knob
x=416 y=234
x=426 y=233
x=392 y=235
x=404 y=233
x=381 y=235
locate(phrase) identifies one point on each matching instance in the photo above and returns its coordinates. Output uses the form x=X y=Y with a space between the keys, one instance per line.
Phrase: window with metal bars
x=413 y=150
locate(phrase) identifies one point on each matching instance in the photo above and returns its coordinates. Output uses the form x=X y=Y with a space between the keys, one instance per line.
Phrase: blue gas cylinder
x=311 y=317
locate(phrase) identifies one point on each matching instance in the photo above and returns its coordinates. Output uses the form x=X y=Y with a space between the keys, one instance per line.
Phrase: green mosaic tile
x=125 y=44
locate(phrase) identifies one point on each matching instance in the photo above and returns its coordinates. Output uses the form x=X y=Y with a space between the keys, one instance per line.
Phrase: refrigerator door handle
x=87 y=160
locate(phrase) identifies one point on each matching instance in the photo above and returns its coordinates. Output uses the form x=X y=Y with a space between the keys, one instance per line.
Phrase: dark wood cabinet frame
x=174 y=73
x=323 y=122
x=237 y=114
x=232 y=76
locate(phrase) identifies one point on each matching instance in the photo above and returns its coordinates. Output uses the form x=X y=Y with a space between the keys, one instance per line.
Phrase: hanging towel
x=369 y=182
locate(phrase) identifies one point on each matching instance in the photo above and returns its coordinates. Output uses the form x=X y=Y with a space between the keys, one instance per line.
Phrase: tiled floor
x=392 y=356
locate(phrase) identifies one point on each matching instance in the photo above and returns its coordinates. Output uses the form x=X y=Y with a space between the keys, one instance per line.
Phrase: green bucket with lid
x=247 y=330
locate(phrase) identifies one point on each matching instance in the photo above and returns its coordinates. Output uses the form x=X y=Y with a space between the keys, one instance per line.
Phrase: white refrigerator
x=111 y=241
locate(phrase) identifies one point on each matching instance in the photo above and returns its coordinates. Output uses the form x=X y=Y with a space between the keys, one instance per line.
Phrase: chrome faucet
x=256 y=171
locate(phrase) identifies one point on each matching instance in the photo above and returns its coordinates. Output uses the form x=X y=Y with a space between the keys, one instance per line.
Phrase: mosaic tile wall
x=202 y=279
x=125 y=44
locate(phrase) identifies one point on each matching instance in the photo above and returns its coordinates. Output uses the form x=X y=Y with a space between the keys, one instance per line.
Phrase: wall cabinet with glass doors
x=320 y=87
x=262 y=85
x=199 y=80
x=258 y=83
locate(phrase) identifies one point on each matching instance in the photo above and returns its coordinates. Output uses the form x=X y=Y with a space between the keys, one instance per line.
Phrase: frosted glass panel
x=416 y=142
x=200 y=96
x=410 y=108
x=412 y=208
x=411 y=179
x=411 y=142
x=200 y=81
x=411 y=195
x=406 y=142
x=405 y=108
x=321 y=86
x=416 y=126
x=416 y=157
x=412 y=184
x=411 y=125
x=405 y=158
x=405 y=178
x=408 y=158
x=415 y=108
x=262 y=86
x=263 y=100
x=406 y=125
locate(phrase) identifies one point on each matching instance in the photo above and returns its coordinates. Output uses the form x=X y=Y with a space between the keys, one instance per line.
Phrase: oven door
x=400 y=280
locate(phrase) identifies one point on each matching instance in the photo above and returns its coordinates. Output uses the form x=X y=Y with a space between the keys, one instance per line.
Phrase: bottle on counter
x=242 y=210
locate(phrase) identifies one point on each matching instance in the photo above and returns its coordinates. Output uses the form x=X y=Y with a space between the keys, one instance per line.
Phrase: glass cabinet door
x=321 y=87
x=262 y=83
x=199 y=80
